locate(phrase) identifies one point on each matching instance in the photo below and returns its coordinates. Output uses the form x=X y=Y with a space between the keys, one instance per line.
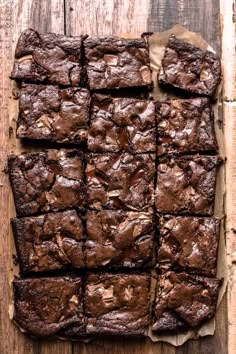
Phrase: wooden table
x=106 y=17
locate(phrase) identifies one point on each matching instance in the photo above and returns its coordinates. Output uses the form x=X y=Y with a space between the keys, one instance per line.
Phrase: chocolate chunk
x=54 y=114
x=117 y=304
x=122 y=124
x=190 y=68
x=120 y=181
x=51 y=58
x=119 y=239
x=189 y=244
x=46 y=181
x=186 y=184
x=114 y=62
x=185 y=125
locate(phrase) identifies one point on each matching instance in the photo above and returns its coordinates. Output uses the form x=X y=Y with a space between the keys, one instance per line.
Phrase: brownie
x=122 y=124
x=50 y=241
x=189 y=244
x=114 y=62
x=120 y=181
x=119 y=239
x=190 y=68
x=186 y=184
x=46 y=181
x=185 y=125
x=117 y=304
x=54 y=114
x=184 y=300
x=51 y=58
x=45 y=306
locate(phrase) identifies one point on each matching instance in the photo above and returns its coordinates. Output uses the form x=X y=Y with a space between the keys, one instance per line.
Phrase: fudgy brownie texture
x=48 y=242
x=186 y=184
x=54 y=114
x=189 y=244
x=117 y=304
x=120 y=181
x=190 y=68
x=114 y=62
x=185 y=125
x=46 y=181
x=119 y=239
x=45 y=306
x=122 y=124
x=184 y=300
x=50 y=58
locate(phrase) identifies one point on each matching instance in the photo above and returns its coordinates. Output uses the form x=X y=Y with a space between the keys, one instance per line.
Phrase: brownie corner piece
x=47 y=112
x=183 y=301
x=114 y=62
x=50 y=58
x=185 y=126
x=190 y=68
x=117 y=304
x=189 y=244
x=45 y=306
x=45 y=181
x=186 y=184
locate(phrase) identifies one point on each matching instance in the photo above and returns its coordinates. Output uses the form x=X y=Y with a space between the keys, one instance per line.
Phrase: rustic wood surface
x=93 y=17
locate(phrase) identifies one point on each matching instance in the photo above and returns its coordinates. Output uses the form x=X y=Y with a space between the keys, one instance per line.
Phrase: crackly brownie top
x=50 y=241
x=185 y=125
x=119 y=238
x=120 y=181
x=186 y=184
x=50 y=113
x=50 y=57
x=44 y=306
x=122 y=124
x=188 y=243
x=46 y=181
x=185 y=298
x=114 y=62
x=190 y=68
x=117 y=304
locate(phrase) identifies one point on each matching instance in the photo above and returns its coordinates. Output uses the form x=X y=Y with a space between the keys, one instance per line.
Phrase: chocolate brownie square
x=190 y=68
x=54 y=114
x=122 y=124
x=50 y=241
x=50 y=58
x=189 y=244
x=183 y=301
x=45 y=306
x=186 y=184
x=185 y=125
x=46 y=181
x=120 y=181
x=114 y=62
x=119 y=239
x=117 y=304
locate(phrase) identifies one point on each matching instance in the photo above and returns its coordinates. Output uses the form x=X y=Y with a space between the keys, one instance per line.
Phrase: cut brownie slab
x=119 y=239
x=45 y=306
x=120 y=181
x=47 y=181
x=54 y=114
x=48 y=242
x=114 y=62
x=122 y=124
x=117 y=304
x=190 y=68
x=185 y=125
x=51 y=58
x=189 y=244
x=186 y=184
x=184 y=300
